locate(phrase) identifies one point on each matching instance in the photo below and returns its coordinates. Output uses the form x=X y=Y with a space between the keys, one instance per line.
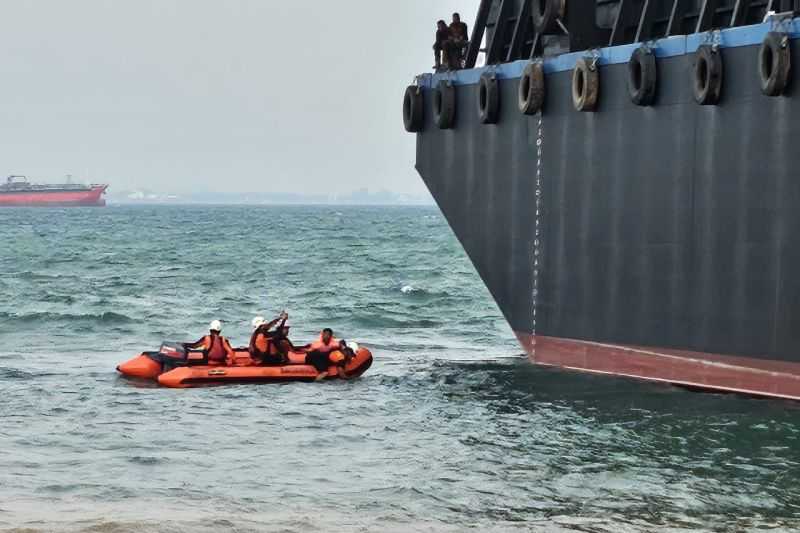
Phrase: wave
x=146 y=461
x=11 y=374
x=36 y=276
x=59 y=298
x=104 y=318
x=383 y=321
x=564 y=519
x=414 y=291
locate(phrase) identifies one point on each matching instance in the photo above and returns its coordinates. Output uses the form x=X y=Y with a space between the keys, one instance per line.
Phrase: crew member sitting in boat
x=217 y=347
x=263 y=347
x=319 y=353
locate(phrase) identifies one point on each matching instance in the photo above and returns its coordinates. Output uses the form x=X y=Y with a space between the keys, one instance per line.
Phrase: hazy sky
x=239 y=95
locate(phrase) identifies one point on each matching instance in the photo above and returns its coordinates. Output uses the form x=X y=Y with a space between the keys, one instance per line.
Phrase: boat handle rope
x=650 y=46
x=714 y=38
x=781 y=24
x=594 y=55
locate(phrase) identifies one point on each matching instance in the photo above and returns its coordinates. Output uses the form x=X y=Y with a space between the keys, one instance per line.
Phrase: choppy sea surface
x=450 y=430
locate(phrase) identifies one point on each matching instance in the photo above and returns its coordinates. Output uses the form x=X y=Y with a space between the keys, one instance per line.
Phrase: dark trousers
x=267 y=359
x=318 y=360
x=438 y=50
x=273 y=359
x=454 y=52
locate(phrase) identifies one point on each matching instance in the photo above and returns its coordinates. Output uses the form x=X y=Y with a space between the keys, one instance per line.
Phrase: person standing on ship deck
x=459 y=37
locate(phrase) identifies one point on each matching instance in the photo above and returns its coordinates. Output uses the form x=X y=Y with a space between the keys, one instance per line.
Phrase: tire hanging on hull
x=413 y=112
x=642 y=76
x=488 y=99
x=531 y=89
x=585 y=85
x=444 y=105
x=774 y=63
x=546 y=14
x=707 y=75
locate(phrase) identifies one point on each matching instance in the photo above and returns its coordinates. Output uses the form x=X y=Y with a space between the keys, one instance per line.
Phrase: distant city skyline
x=362 y=196
x=246 y=95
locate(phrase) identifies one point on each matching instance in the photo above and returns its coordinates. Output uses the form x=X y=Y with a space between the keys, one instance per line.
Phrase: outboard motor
x=150 y=365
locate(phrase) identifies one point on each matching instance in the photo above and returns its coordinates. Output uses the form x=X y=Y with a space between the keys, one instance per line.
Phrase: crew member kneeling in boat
x=280 y=339
x=319 y=353
x=263 y=346
x=216 y=346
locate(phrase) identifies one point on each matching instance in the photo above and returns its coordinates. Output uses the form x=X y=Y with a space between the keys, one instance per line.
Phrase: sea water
x=452 y=429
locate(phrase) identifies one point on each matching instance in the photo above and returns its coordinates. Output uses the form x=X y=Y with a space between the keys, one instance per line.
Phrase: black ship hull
x=667 y=244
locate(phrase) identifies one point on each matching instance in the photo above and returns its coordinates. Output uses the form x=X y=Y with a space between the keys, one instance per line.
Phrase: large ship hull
x=54 y=197
x=667 y=244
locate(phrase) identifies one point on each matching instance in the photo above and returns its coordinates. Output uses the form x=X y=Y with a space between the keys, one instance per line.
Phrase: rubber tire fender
x=585 y=85
x=413 y=112
x=531 y=89
x=546 y=14
x=488 y=99
x=642 y=76
x=775 y=63
x=444 y=105
x=707 y=75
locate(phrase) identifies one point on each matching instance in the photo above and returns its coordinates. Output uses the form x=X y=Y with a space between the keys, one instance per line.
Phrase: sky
x=215 y=95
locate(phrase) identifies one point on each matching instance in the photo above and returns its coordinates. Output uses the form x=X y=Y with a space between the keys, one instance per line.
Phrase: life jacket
x=320 y=346
x=261 y=342
x=216 y=348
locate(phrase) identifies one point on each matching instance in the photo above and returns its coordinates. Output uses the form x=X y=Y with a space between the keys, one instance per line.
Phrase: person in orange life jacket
x=215 y=345
x=318 y=353
x=263 y=348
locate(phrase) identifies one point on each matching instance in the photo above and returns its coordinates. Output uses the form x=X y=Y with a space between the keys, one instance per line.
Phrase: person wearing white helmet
x=216 y=346
x=262 y=348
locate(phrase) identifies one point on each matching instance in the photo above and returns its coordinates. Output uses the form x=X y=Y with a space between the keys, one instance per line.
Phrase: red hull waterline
x=91 y=197
x=744 y=375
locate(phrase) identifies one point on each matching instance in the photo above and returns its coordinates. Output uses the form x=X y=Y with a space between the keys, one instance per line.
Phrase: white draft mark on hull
x=537 y=230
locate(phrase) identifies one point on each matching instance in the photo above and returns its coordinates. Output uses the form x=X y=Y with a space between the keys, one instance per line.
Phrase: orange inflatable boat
x=174 y=366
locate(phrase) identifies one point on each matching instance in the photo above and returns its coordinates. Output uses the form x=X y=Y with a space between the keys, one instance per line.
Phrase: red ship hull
x=66 y=198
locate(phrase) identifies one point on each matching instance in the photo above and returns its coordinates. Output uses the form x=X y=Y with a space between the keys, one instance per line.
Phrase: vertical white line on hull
x=537 y=240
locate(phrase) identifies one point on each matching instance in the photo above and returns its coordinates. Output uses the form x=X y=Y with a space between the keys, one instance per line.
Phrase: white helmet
x=258 y=321
x=216 y=325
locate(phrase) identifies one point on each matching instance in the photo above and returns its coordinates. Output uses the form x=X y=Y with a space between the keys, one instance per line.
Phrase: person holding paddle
x=263 y=347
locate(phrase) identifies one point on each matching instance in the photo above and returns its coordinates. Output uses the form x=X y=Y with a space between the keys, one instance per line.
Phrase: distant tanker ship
x=18 y=191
